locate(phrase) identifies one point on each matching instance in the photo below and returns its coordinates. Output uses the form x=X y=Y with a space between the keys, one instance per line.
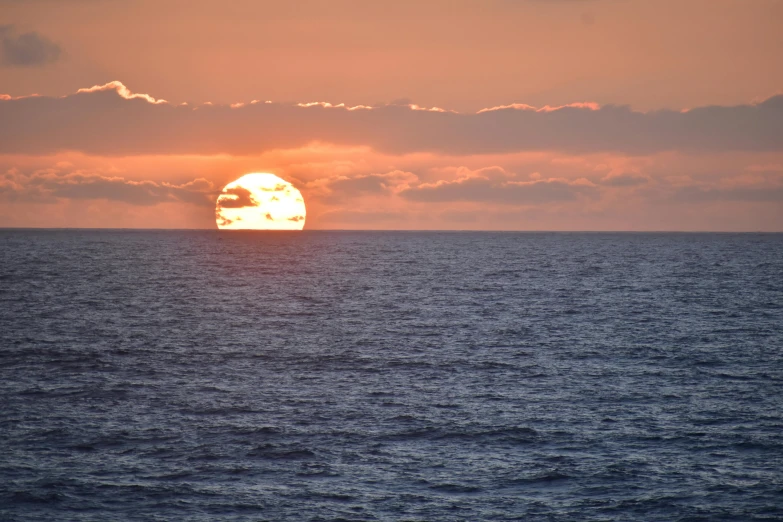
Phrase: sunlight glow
x=260 y=201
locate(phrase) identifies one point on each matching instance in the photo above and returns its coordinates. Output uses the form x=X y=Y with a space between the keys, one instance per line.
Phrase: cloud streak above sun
x=111 y=120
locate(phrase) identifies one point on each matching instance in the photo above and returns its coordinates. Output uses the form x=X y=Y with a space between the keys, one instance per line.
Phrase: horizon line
x=444 y=230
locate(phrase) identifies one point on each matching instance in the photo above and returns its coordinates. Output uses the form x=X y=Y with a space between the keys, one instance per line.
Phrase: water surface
x=390 y=376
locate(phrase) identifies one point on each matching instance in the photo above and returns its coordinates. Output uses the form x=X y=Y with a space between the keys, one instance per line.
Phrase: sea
x=412 y=376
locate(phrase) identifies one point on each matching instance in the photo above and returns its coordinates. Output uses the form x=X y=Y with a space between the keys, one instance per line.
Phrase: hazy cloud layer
x=750 y=194
x=625 y=179
x=47 y=186
x=479 y=189
x=488 y=185
x=439 y=197
x=26 y=49
x=352 y=188
x=111 y=120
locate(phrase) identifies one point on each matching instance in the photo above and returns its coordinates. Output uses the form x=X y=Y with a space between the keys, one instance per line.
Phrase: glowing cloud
x=123 y=91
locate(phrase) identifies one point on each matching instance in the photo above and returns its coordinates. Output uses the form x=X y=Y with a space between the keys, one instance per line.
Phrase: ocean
x=215 y=375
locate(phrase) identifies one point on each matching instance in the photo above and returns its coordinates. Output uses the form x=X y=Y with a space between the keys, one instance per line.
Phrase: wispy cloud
x=26 y=49
x=50 y=185
x=494 y=185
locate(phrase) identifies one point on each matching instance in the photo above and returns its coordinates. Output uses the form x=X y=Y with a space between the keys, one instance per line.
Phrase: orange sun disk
x=260 y=201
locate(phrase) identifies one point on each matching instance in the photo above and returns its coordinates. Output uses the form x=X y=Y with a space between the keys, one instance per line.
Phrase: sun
x=260 y=201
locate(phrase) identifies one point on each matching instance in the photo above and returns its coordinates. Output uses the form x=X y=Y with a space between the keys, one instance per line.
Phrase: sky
x=444 y=114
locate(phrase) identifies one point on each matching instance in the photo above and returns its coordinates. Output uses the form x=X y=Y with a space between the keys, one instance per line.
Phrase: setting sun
x=541 y=276
x=260 y=201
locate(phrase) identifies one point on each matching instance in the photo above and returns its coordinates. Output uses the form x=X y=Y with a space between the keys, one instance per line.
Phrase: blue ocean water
x=162 y=375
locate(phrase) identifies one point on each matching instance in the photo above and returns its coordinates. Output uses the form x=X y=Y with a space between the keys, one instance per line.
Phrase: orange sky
x=684 y=130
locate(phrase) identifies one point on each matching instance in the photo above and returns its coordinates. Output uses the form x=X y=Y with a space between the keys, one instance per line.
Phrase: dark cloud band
x=109 y=121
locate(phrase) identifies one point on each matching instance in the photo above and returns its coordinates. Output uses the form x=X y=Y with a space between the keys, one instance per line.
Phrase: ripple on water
x=390 y=376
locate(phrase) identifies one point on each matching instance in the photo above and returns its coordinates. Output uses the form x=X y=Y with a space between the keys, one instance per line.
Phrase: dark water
x=390 y=376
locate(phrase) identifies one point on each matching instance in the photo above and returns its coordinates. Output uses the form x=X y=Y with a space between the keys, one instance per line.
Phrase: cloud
x=752 y=194
x=26 y=49
x=236 y=197
x=625 y=179
x=370 y=184
x=49 y=185
x=546 y=108
x=122 y=92
x=277 y=188
x=342 y=217
x=222 y=220
x=342 y=188
x=726 y=192
x=494 y=186
x=111 y=120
